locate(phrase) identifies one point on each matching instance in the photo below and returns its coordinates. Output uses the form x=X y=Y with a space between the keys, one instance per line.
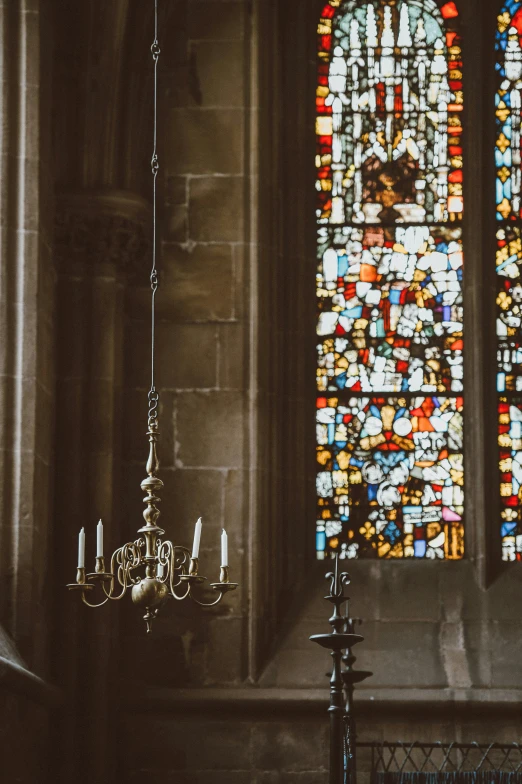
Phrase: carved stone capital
x=102 y=228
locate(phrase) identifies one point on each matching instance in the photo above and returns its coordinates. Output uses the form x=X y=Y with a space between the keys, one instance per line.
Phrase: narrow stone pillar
x=100 y=236
x=26 y=328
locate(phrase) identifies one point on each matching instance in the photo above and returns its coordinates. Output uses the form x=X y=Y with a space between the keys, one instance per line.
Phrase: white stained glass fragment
x=513 y=56
x=327 y=323
x=371 y=27
x=402 y=426
x=404 y=41
x=324 y=484
x=372 y=473
x=333 y=528
x=330 y=265
x=326 y=416
x=373 y=426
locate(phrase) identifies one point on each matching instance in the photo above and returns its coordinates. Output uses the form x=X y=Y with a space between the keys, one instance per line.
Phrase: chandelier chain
x=165 y=569
x=153 y=394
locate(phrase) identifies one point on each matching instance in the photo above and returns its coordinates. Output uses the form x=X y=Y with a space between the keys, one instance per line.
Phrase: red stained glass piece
x=328 y=12
x=325 y=43
x=450 y=37
x=456 y=176
x=449 y=11
x=321 y=402
x=517 y=21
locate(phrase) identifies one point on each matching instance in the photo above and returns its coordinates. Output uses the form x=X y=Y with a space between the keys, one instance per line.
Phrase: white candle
x=224 y=548
x=99 y=540
x=159 y=571
x=197 y=539
x=81 y=549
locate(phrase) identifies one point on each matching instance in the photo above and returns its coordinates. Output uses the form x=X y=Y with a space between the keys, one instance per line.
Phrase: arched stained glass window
x=509 y=262
x=389 y=280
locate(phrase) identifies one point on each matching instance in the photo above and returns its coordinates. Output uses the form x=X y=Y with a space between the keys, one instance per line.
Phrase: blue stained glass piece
x=500 y=191
x=507 y=529
x=419 y=548
x=392 y=533
x=515 y=430
x=320 y=541
x=501 y=382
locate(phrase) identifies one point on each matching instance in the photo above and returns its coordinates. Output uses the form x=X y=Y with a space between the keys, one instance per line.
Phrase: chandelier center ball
x=150 y=592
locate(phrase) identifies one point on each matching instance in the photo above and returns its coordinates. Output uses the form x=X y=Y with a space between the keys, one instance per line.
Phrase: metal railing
x=418 y=757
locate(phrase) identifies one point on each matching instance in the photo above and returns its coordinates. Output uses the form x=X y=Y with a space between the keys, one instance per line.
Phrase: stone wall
x=203 y=364
x=237 y=328
x=235 y=693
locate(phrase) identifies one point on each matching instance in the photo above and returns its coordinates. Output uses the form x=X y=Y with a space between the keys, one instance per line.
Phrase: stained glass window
x=389 y=280
x=508 y=263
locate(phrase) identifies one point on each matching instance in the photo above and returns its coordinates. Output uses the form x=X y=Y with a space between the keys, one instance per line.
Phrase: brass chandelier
x=152 y=567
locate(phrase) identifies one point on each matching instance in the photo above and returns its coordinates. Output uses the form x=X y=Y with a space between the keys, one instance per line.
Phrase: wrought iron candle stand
x=337 y=641
x=350 y=677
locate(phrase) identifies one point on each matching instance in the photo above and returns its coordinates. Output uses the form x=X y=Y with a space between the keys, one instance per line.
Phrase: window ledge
x=257 y=700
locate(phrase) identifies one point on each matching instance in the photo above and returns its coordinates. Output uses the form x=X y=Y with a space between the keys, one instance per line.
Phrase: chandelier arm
x=127 y=557
x=100 y=604
x=180 y=598
x=172 y=571
x=208 y=604
x=164 y=558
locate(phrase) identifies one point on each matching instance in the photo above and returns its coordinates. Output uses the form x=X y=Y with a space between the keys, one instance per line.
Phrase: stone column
x=26 y=329
x=100 y=236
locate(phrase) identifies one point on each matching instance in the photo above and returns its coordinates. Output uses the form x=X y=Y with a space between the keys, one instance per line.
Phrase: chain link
x=153 y=394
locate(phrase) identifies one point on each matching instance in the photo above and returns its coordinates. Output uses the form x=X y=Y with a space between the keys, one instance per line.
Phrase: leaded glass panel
x=389 y=280
x=508 y=112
